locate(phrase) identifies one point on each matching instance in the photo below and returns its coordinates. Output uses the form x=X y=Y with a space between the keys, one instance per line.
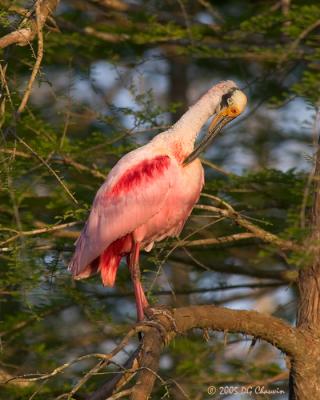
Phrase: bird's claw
x=154 y=314
x=161 y=329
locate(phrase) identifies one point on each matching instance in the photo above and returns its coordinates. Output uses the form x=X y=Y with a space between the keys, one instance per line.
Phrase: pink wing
x=130 y=196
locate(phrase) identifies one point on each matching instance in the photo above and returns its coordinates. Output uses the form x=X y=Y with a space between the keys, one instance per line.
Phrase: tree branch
x=37 y=64
x=254 y=229
x=262 y=326
x=180 y=320
x=40 y=231
x=161 y=327
x=24 y=36
x=286 y=275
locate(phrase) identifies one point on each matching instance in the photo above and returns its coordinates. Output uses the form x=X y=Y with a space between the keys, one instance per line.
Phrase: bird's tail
x=111 y=257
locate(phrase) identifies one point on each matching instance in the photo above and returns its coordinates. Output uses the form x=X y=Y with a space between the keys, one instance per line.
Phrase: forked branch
x=28 y=32
x=164 y=325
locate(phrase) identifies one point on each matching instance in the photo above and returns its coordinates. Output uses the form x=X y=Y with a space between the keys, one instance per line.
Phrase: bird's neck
x=189 y=125
x=180 y=138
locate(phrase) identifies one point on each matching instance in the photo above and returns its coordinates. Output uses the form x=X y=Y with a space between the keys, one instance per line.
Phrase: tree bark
x=305 y=376
x=166 y=324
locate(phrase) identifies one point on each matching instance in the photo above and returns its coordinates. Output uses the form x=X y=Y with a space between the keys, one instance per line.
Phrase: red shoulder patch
x=144 y=171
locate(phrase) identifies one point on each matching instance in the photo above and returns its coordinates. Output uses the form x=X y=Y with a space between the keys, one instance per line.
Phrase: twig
x=195 y=261
x=117 y=382
x=296 y=42
x=215 y=167
x=106 y=36
x=59 y=158
x=196 y=291
x=4 y=83
x=81 y=167
x=15 y=152
x=254 y=229
x=65 y=127
x=120 y=394
x=219 y=240
x=187 y=20
x=211 y=10
x=40 y=231
x=279 y=377
x=48 y=166
x=106 y=357
x=37 y=64
x=286 y=275
x=86 y=377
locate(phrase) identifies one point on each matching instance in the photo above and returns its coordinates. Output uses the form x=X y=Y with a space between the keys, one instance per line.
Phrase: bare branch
x=287 y=275
x=254 y=229
x=40 y=231
x=118 y=395
x=178 y=292
x=100 y=356
x=215 y=167
x=163 y=325
x=292 y=50
x=37 y=64
x=20 y=37
x=263 y=326
x=80 y=167
x=219 y=240
x=116 y=5
x=24 y=36
x=58 y=158
x=108 y=37
x=119 y=380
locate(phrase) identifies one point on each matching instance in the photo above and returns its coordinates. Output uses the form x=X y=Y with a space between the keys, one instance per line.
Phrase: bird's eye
x=233 y=110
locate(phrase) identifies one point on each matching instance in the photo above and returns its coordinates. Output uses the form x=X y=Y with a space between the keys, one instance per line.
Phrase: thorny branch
x=160 y=329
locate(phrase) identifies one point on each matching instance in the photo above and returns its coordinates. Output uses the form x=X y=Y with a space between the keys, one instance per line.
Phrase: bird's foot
x=156 y=314
x=161 y=329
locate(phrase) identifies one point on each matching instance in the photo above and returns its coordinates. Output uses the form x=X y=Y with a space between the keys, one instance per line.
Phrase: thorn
x=206 y=335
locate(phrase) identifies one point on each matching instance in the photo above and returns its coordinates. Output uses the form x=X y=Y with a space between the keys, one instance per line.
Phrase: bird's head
x=231 y=103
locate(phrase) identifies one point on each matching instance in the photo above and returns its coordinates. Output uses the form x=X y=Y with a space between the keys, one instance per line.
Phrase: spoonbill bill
x=150 y=192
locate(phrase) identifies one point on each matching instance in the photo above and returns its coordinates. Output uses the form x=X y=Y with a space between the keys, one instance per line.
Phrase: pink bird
x=150 y=192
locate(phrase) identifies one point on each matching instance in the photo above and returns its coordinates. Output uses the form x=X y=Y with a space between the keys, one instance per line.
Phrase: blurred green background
x=114 y=74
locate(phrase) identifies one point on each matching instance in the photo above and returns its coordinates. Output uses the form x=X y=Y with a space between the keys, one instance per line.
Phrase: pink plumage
x=143 y=203
x=147 y=196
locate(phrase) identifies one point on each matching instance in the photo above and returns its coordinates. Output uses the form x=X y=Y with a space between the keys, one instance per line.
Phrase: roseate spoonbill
x=150 y=192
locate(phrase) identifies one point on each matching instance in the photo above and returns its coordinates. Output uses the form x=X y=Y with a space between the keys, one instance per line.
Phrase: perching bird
x=150 y=192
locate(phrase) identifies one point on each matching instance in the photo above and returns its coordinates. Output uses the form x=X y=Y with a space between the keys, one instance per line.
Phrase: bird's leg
x=141 y=300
